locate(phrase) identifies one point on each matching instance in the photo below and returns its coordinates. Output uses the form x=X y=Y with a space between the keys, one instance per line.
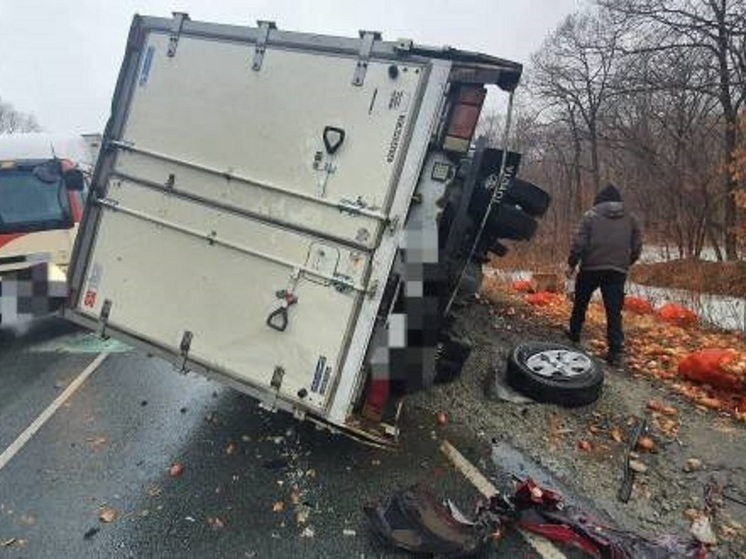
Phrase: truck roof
x=81 y=149
x=476 y=66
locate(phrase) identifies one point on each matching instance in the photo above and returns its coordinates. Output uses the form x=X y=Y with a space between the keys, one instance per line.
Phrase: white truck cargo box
x=252 y=195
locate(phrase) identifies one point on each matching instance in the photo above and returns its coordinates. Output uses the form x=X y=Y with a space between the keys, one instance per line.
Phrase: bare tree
x=523 y=137
x=13 y=121
x=573 y=73
x=715 y=31
x=554 y=164
x=662 y=142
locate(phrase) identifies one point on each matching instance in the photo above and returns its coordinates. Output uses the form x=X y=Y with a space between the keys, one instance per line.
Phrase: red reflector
x=376 y=399
x=472 y=95
x=464 y=121
x=75 y=205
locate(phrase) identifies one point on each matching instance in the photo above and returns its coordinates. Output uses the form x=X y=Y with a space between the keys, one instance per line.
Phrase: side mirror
x=74 y=179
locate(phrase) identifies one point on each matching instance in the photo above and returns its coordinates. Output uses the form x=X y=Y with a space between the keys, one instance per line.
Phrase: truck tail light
x=463 y=118
x=376 y=399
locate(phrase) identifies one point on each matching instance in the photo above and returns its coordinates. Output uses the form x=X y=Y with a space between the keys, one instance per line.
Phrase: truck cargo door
x=239 y=211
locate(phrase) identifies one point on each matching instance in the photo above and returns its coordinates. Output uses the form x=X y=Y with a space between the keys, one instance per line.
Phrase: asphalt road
x=254 y=483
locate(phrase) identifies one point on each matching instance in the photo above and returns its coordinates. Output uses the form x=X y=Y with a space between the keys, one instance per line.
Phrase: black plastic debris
x=90 y=533
x=416 y=520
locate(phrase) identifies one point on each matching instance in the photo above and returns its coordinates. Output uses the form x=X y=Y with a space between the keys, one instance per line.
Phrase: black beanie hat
x=608 y=194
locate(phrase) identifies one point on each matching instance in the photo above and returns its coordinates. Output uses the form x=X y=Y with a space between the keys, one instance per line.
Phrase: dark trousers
x=612 y=291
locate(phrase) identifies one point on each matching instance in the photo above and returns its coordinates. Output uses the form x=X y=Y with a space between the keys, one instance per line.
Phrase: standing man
x=607 y=243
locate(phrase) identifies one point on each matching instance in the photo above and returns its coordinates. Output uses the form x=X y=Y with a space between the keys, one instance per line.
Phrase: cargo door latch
x=103 y=319
x=184 y=346
x=367 y=38
x=261 y=43
x=176 y=27
x=333 y=137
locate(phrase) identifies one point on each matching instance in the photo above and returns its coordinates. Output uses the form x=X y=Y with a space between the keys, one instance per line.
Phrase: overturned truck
x=295 y=214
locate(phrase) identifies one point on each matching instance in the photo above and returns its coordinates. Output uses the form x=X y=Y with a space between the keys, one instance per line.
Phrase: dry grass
x=717 y=278
x=532 y=256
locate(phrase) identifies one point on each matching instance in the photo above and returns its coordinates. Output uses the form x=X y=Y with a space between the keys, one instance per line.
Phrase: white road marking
x=543 y=547
x=37 y=424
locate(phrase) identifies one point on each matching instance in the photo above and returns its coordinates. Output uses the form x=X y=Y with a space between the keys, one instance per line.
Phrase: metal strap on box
x=103 y=318
x=178 y=24
x=261 y=43
x=404 y=46
x=184 y=347
x=350 y=207
x=367 y=38
x=211 y=238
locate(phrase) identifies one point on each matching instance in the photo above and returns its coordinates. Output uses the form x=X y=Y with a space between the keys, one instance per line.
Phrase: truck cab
x=43 y=184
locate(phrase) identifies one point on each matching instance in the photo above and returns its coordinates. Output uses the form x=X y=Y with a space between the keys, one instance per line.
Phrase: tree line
x=13 y=121
x=648 y=95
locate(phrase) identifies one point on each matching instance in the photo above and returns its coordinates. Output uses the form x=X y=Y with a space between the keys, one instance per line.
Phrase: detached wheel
x=554 y=373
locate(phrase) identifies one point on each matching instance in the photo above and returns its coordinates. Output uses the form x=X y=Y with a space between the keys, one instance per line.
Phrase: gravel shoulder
x=696 y=468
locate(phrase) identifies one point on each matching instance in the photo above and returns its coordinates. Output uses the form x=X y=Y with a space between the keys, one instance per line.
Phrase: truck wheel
x=452 y=354
x=532 y=199
x=554 y=373
x=509 y=222
x=447 y=371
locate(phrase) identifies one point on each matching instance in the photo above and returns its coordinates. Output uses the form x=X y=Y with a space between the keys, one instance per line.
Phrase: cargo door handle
x=278 y=318
x=333 y=138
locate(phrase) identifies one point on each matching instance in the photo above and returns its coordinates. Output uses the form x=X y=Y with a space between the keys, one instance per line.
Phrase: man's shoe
x=614 y=359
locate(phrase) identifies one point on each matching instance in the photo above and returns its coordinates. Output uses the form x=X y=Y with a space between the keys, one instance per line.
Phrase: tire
x=532 y=199
x=452 y=354
x=510 y=222
x=554 y=373
x=447 y=371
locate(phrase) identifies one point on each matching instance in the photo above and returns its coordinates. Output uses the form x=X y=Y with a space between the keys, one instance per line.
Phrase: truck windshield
x=33 y=198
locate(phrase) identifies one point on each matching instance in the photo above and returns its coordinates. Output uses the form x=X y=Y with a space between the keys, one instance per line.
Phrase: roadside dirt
x=696 y=467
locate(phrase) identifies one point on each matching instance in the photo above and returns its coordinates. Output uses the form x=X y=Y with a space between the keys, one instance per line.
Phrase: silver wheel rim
x=559 y=363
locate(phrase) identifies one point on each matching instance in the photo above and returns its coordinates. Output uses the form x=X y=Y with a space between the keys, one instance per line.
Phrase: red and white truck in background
x=43 y=182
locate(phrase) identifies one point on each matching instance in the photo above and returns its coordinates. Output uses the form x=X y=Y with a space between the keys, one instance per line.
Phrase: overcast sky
x=59 y=59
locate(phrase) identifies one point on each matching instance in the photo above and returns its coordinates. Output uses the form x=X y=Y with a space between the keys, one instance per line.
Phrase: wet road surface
x=254 y=483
